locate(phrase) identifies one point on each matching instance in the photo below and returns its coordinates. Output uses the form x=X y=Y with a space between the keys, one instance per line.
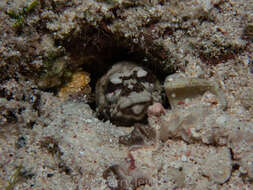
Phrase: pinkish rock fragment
x=156 y=109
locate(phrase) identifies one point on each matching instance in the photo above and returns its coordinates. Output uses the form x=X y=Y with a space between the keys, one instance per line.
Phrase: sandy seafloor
x=47 y=143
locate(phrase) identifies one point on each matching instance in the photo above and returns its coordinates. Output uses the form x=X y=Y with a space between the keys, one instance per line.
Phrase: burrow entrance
x=95 y=51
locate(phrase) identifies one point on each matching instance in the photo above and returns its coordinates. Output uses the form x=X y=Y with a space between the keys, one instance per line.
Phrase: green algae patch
x=22 y=14
x=54 y=73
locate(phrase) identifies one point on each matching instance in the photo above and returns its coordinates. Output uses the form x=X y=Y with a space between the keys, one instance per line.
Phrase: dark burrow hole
x=98 y=66
x=95 y=51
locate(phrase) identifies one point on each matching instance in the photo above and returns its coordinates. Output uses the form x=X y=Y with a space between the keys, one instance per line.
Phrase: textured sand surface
x=50 y=143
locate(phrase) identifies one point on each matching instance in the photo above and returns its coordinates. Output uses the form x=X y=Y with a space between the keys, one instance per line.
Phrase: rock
x=218 y=165
x=156 y=109
x=179 y=89
x=78 y=86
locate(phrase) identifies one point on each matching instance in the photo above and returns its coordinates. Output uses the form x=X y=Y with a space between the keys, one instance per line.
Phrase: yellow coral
x=79 y=84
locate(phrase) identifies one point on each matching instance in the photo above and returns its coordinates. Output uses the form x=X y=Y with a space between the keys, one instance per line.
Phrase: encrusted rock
x=200 y=124
x=54 y=73
x=77 y=86
x=181 y=123
x=218 y=165
x=179 y=88
x=124 y=93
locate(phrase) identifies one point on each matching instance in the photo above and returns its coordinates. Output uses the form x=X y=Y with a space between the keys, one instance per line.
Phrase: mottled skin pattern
x=124 y=93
